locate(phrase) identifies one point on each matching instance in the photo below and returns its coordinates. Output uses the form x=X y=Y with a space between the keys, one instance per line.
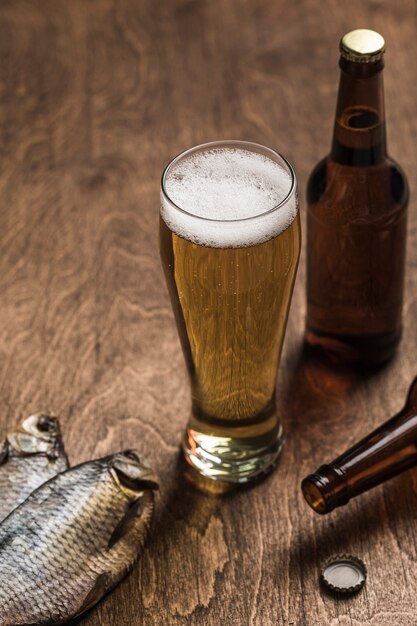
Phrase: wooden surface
x=95 y=98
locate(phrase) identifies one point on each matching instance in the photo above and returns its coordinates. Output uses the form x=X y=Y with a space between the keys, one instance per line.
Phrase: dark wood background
x=95 y=98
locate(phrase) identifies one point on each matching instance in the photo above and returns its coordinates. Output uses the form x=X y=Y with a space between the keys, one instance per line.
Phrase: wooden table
x=95 y=97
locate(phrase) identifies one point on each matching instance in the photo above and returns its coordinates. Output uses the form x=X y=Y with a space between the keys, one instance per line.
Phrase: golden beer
x=230 y=287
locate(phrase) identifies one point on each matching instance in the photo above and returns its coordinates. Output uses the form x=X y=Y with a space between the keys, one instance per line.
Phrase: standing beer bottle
x=357 y=208
x=384 y=453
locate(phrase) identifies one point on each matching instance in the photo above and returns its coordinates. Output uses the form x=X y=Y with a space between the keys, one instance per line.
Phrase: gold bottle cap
x=362 y=46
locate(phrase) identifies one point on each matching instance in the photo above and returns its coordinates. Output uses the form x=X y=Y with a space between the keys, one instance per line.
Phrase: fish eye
x=44 y=423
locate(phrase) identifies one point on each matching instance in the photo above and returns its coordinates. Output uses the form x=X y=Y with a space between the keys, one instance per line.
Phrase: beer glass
x=230 y=243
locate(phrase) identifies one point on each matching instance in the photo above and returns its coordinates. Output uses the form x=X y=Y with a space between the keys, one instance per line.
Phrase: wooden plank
x=95 y=98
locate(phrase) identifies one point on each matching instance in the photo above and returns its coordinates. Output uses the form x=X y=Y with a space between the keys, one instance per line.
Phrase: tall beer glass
x=230 y=243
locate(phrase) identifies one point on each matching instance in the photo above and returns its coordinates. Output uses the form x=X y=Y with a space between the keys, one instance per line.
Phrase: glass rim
x=237 y=143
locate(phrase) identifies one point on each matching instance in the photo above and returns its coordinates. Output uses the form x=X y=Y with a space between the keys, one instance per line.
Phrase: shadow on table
x=78 y=620
x=192 y=502
x=317 y=389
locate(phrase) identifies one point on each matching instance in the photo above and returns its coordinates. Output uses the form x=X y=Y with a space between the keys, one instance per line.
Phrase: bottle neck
x=359 y=137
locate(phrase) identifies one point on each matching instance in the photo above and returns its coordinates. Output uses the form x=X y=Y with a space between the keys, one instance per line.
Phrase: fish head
x=37 y=434
x=131 y=474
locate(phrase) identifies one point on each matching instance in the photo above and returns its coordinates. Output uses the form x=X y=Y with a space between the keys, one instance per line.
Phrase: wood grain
x=95 y=98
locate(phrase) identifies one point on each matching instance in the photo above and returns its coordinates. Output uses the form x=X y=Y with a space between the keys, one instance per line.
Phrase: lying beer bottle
x=356 y=222
x=384 y=453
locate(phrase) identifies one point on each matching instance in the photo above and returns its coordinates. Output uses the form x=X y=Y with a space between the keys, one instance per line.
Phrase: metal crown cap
x=343 y=573
x=362 y=46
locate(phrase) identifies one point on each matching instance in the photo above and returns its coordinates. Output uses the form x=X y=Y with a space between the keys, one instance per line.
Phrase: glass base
x=232 y=460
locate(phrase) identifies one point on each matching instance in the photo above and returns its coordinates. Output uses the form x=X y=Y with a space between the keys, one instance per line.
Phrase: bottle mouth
x=314 y=496
x=325 y=490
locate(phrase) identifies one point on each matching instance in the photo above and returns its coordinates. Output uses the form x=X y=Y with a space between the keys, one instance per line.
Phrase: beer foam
x=226 y=186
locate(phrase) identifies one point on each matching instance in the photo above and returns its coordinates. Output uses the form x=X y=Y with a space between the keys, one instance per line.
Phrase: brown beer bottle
x=356 y=222
x=384 y=453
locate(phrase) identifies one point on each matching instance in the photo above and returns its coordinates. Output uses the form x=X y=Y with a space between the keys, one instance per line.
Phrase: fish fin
x=133 y=528
x=125 y=524
x=4 y=452
x=100 y=588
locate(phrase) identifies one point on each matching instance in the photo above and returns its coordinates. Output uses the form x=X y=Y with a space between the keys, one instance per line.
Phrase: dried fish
x=74 y=539
x=29 y=456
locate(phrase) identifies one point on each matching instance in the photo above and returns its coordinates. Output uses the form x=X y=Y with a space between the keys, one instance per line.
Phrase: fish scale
x=55 y=559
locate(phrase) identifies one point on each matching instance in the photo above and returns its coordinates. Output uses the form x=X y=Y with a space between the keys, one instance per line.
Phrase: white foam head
x=227 y=195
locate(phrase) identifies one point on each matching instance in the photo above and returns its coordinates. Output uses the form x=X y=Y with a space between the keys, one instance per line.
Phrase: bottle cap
x=343 y=573
x=362 y=46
